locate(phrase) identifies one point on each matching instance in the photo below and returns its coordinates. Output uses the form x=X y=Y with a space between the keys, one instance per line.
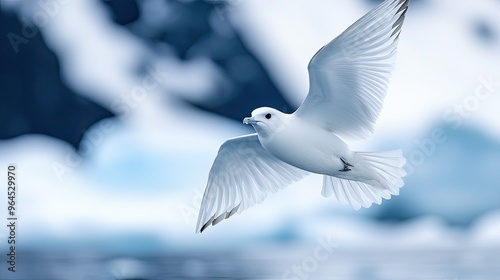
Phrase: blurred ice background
x=113 y=112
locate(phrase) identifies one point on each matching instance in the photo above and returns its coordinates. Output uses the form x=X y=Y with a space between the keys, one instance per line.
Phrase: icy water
x=311 y=263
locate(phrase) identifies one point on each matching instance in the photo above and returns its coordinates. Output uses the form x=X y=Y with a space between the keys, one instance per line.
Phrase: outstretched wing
x=242 y=175
x=349 y=76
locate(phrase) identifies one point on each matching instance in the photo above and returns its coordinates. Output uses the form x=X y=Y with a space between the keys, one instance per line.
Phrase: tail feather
x=387 y=167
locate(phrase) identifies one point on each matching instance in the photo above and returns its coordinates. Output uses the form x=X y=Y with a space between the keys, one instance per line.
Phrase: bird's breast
x=308 y=148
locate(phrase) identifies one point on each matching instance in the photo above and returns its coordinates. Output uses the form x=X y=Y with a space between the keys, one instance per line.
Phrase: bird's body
x=315 y=149
x=348 y=82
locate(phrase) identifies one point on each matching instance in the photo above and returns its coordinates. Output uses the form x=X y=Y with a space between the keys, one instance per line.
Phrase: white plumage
x=348 y=82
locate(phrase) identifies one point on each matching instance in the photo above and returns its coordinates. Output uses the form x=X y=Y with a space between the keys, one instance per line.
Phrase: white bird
x=348 y=82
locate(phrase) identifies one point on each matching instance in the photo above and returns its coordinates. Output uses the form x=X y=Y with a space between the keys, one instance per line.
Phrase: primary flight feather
x=348 y=82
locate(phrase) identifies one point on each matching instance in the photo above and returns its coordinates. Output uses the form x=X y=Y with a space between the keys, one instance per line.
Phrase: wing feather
x=242 y=175
x=349 y=76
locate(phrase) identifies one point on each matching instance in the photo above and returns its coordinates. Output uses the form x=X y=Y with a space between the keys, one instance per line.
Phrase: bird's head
x=266 y=121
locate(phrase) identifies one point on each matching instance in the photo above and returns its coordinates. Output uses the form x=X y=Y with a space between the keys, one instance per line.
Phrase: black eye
x=268 y=116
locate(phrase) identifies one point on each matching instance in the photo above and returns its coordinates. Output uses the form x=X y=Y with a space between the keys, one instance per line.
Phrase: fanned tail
x=389 y=172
